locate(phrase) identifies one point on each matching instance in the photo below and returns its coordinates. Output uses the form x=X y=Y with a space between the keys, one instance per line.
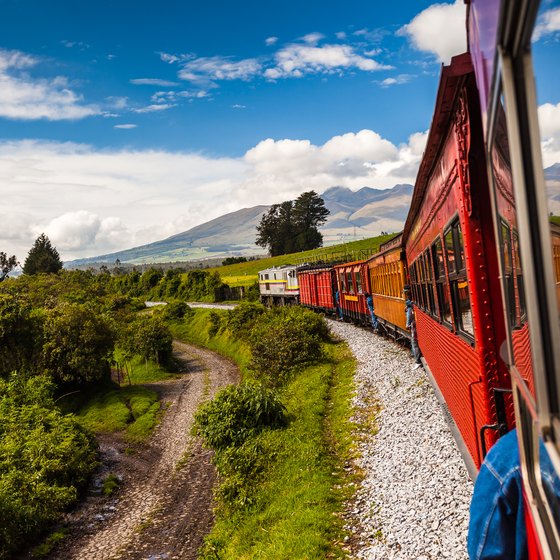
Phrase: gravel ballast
x=414 y=498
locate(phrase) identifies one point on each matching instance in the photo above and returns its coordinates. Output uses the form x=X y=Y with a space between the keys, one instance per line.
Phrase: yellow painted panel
x=351 y=298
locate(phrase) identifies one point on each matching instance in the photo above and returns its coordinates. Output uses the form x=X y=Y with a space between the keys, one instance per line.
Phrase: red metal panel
x=455 y=367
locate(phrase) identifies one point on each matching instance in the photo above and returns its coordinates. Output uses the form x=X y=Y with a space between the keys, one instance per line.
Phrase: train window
x=349 y=283
x=507 y=263
x=450 y=251
x=266 y=276
x=441 y=284
x=342 y=281
x=430 y=283
x=358 y=276
x=458 y=284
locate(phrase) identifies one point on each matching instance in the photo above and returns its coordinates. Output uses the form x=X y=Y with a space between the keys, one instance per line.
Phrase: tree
x=78 y=344
x=42 y=257
x=309 y=214
x=293 y=225
x=7 y=264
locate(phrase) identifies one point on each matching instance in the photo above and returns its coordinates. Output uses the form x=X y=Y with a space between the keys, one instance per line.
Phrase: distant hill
x=353 y=215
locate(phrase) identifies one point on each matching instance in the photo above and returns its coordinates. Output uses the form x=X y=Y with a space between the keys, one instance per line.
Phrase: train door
x=529 y=286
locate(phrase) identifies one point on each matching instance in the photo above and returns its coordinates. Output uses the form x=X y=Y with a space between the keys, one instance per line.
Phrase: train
x=479 y=258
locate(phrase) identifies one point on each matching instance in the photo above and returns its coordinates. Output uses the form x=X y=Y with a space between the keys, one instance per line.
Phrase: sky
x=122 y=123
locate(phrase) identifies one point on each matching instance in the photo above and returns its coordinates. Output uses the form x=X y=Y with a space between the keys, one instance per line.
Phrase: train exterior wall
x=387 y=277
x=450 y=245
x=352 y=283
x=317 y=287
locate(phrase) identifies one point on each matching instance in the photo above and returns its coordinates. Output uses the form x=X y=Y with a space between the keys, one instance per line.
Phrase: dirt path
x=163 y=509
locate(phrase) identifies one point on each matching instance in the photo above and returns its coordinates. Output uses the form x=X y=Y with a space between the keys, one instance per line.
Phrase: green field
x=244 y=274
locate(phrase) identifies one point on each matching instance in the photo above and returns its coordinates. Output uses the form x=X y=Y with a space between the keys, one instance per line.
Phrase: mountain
x=353 y=215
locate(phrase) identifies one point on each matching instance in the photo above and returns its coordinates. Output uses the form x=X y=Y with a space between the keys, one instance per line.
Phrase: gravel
x=414 y=498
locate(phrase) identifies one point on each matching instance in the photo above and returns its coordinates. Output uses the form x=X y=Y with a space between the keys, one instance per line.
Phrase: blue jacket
x=497 y=524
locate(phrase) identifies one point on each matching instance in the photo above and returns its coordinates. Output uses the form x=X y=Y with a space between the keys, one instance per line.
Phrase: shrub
x=283 y=341
x=46 y=458
x=241 y=319
x=238 y=412
x=215 y=320
x=78 y=344
x=176 y=310
x=110 y=484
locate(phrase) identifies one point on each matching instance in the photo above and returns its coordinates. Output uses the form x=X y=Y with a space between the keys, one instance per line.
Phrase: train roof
x=353 y=263
x=451 y=79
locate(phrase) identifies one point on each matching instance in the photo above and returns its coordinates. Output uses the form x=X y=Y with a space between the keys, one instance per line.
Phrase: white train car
x=279 y=286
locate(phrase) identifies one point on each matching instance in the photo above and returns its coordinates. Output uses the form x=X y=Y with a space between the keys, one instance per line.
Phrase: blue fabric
x=369 y=303
x=497 y=524
x=337 y=300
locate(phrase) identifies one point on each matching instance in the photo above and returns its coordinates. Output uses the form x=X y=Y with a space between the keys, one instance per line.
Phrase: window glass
x=450 y=251
x=460 y=247
x=342 y=281
x=358 y=282
x=349 y=283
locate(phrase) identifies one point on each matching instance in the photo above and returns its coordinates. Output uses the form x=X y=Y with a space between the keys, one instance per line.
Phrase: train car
x=500 y=36
x=352 y=283
x=317 y=284
x=279 y=286
x=452 y=262
x=388 y=276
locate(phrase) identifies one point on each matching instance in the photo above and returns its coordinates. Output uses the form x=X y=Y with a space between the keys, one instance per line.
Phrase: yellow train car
x=388 y=276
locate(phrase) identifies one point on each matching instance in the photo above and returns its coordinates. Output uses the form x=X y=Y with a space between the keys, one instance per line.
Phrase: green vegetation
x=7 y=264
x=49 y=544
x=293 y=225
x=111 y=484
x=133 y=409
x=555 y=220
x=45 y=458
x=280 y=448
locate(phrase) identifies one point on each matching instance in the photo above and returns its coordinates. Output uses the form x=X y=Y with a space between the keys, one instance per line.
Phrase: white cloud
x=312 y=38
x=152 y=82
x=154 y=108
x=126 y=126
x=397 y=80
x=297 y=60
x=238 y=106
x=25 y=98
x=440 y=29
x=340 y=35
x=206 y=70
x=549 y=123
x=136 y=197
x=269 y=41
x=547 y=23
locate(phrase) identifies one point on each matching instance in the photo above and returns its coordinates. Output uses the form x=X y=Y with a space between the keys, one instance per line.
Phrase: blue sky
x=124 y=122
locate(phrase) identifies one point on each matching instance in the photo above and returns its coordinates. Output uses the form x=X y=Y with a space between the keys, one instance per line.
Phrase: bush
x=176 y=310
x=45 y=458
x=241 y=319
x=283 y=341
x=238 y=412
x=215 y=320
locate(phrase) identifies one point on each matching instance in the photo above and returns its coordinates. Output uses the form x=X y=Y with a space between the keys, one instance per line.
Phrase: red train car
x=450 y=248
x=317 y=284
x=352 y=284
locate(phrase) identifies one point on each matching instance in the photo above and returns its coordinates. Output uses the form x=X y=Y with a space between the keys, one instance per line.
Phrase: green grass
x=244 y=274
x=49 y=544
x=555 y=220
x=140 y=372
x=295 y=512
x=195 y=331
x=134 y=409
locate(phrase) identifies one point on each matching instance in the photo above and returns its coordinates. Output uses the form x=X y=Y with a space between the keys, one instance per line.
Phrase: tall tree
x=275 y=229
x=293 y=225
x=7 y=264
x=309 y=214
x=42 y=257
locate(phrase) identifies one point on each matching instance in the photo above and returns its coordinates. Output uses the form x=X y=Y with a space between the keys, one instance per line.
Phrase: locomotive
x=482 y=262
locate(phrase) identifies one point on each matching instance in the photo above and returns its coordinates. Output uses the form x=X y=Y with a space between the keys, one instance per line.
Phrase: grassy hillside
x=243 y=274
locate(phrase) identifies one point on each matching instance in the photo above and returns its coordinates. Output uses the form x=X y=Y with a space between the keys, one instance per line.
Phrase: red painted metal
x=317 y=287
x=452 y=184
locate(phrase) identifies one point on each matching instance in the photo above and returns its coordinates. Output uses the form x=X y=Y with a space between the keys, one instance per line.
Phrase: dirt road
x=163 y=508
